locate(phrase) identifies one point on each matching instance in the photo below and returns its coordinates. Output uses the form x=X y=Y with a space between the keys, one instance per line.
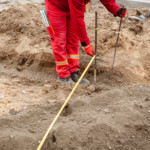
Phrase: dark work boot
x=66 y=80
x=75 y=77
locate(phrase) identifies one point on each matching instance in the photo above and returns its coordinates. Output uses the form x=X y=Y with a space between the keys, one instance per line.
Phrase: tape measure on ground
x=63 y=106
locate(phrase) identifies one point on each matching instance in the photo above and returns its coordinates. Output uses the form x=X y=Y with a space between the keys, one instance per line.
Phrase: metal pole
x=116 y=49
x=95 y=68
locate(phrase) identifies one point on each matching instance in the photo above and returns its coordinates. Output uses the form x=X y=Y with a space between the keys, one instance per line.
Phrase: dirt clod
x=67 y=110
x=91 y=88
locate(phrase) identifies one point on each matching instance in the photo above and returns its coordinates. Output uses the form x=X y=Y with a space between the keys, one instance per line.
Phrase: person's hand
x=89 y=50
x=122 y=12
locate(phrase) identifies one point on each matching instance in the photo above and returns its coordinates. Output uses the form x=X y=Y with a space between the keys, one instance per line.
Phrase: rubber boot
x=75 y=77
x=66 y=80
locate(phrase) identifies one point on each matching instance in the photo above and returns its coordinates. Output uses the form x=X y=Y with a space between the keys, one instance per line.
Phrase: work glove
x=122 y=12
x=89 y=50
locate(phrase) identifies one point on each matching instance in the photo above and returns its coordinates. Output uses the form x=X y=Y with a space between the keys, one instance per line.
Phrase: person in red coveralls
x=67 y=20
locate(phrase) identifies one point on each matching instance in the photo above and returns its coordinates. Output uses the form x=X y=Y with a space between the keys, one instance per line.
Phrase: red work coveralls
x=67 y=20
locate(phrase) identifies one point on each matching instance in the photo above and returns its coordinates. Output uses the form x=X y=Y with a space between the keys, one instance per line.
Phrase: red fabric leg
x=72 y=46
x=58 y=20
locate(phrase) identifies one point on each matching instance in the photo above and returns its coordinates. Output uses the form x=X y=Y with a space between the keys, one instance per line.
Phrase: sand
x=110 y=115
x=116 y=119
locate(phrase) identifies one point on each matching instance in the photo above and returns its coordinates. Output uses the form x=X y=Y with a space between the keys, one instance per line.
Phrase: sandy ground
x=5 y=4
x=135 y=3
x=116 y=119
x=110 y=115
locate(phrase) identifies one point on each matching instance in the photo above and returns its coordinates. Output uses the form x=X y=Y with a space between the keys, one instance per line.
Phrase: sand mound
x=116 y=119
x=23 y=29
